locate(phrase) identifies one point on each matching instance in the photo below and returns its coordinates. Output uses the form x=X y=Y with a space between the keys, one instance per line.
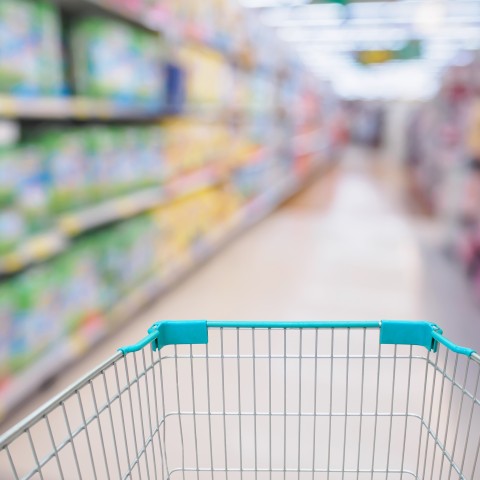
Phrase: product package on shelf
x=114 y=60
x=253 y=177
x=124 y=159
x=12 y=222
x=30 y=48
x=186 y=223
x=33 y=187
x=61 y=171
x=201 y=66
x=190 y=144
x=113 y=160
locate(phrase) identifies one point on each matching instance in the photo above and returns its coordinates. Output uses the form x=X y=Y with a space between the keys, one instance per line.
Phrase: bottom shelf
x=18 y=388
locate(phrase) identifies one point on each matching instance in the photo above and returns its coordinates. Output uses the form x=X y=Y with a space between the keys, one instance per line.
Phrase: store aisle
x=340 y=250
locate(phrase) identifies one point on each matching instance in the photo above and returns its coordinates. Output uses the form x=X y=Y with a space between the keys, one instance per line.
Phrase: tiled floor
x=342 y=250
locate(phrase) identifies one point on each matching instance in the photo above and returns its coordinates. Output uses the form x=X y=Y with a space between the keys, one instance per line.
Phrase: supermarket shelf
x=45 y=246
x=76 y=108
x=140 y=18
x=193 y=182
x=89 y=218
x=30 y=380
x=155 y=20
x=34 y=250
x=135 y=203
x=85 y=109
x=47 y=366
x=255 y=211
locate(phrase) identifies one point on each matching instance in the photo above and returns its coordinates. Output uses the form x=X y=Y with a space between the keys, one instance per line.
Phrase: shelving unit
x=75 y=108
x=77 y=344
x=111 y=8
x=44 y=246
x=249 y=139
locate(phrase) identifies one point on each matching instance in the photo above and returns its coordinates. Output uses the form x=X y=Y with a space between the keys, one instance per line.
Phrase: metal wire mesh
x=262 y=404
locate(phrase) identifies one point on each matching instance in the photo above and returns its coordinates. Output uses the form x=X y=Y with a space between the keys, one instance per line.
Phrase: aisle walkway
x=340 y=250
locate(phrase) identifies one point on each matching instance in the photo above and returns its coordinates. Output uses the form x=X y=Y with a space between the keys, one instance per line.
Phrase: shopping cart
x=263 y=401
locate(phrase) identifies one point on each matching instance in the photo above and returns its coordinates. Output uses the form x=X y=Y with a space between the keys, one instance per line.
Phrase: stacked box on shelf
x=201 y=66
x=57 y=172
x=117 y=61
x=32 y=187
x=186 y=223
x=191 y=144
x=30 y=48
x=12 y=222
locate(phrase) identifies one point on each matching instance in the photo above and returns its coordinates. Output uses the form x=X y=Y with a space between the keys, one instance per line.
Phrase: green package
x=35 y=325
x=112 y=59
x=30 y=48
x=102 y=145
x=66 y=160
x=33 y=187
x=8 y=175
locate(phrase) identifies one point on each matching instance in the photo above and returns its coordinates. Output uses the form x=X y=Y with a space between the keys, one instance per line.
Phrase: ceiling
x=417 y=37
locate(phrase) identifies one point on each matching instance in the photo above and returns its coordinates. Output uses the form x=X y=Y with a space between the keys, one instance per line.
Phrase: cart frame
x=450 y=390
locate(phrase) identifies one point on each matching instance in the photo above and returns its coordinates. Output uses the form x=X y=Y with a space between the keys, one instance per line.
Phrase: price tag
x=104 y=111
x=80 y=108
x=8 y=107
x=126 y=208
x=79 y=343
x=3 y=411
x=70 y=225
x=42 y=247
x=12 y=263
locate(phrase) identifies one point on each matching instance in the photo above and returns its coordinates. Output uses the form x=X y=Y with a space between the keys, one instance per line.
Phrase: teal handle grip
x=392 y=332
x=167 y=332
x=139 y=345
x=313 y=324
x=424 y=334
x=450 y=345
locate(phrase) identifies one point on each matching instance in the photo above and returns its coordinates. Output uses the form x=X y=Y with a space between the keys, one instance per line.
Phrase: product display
x=30 y=48
x=55 y=299
x=96 y=213
x=117 y=61
x=60 y=171
x=77 y=289
x=12 y=224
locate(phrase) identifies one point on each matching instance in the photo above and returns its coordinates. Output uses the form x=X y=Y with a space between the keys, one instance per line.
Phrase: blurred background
x=141 y=138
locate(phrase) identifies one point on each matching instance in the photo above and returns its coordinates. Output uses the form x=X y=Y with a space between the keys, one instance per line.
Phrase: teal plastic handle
x=454 y=348
x=424 y=334
x=167 y=332
x=302 y=324
x=392 y=332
